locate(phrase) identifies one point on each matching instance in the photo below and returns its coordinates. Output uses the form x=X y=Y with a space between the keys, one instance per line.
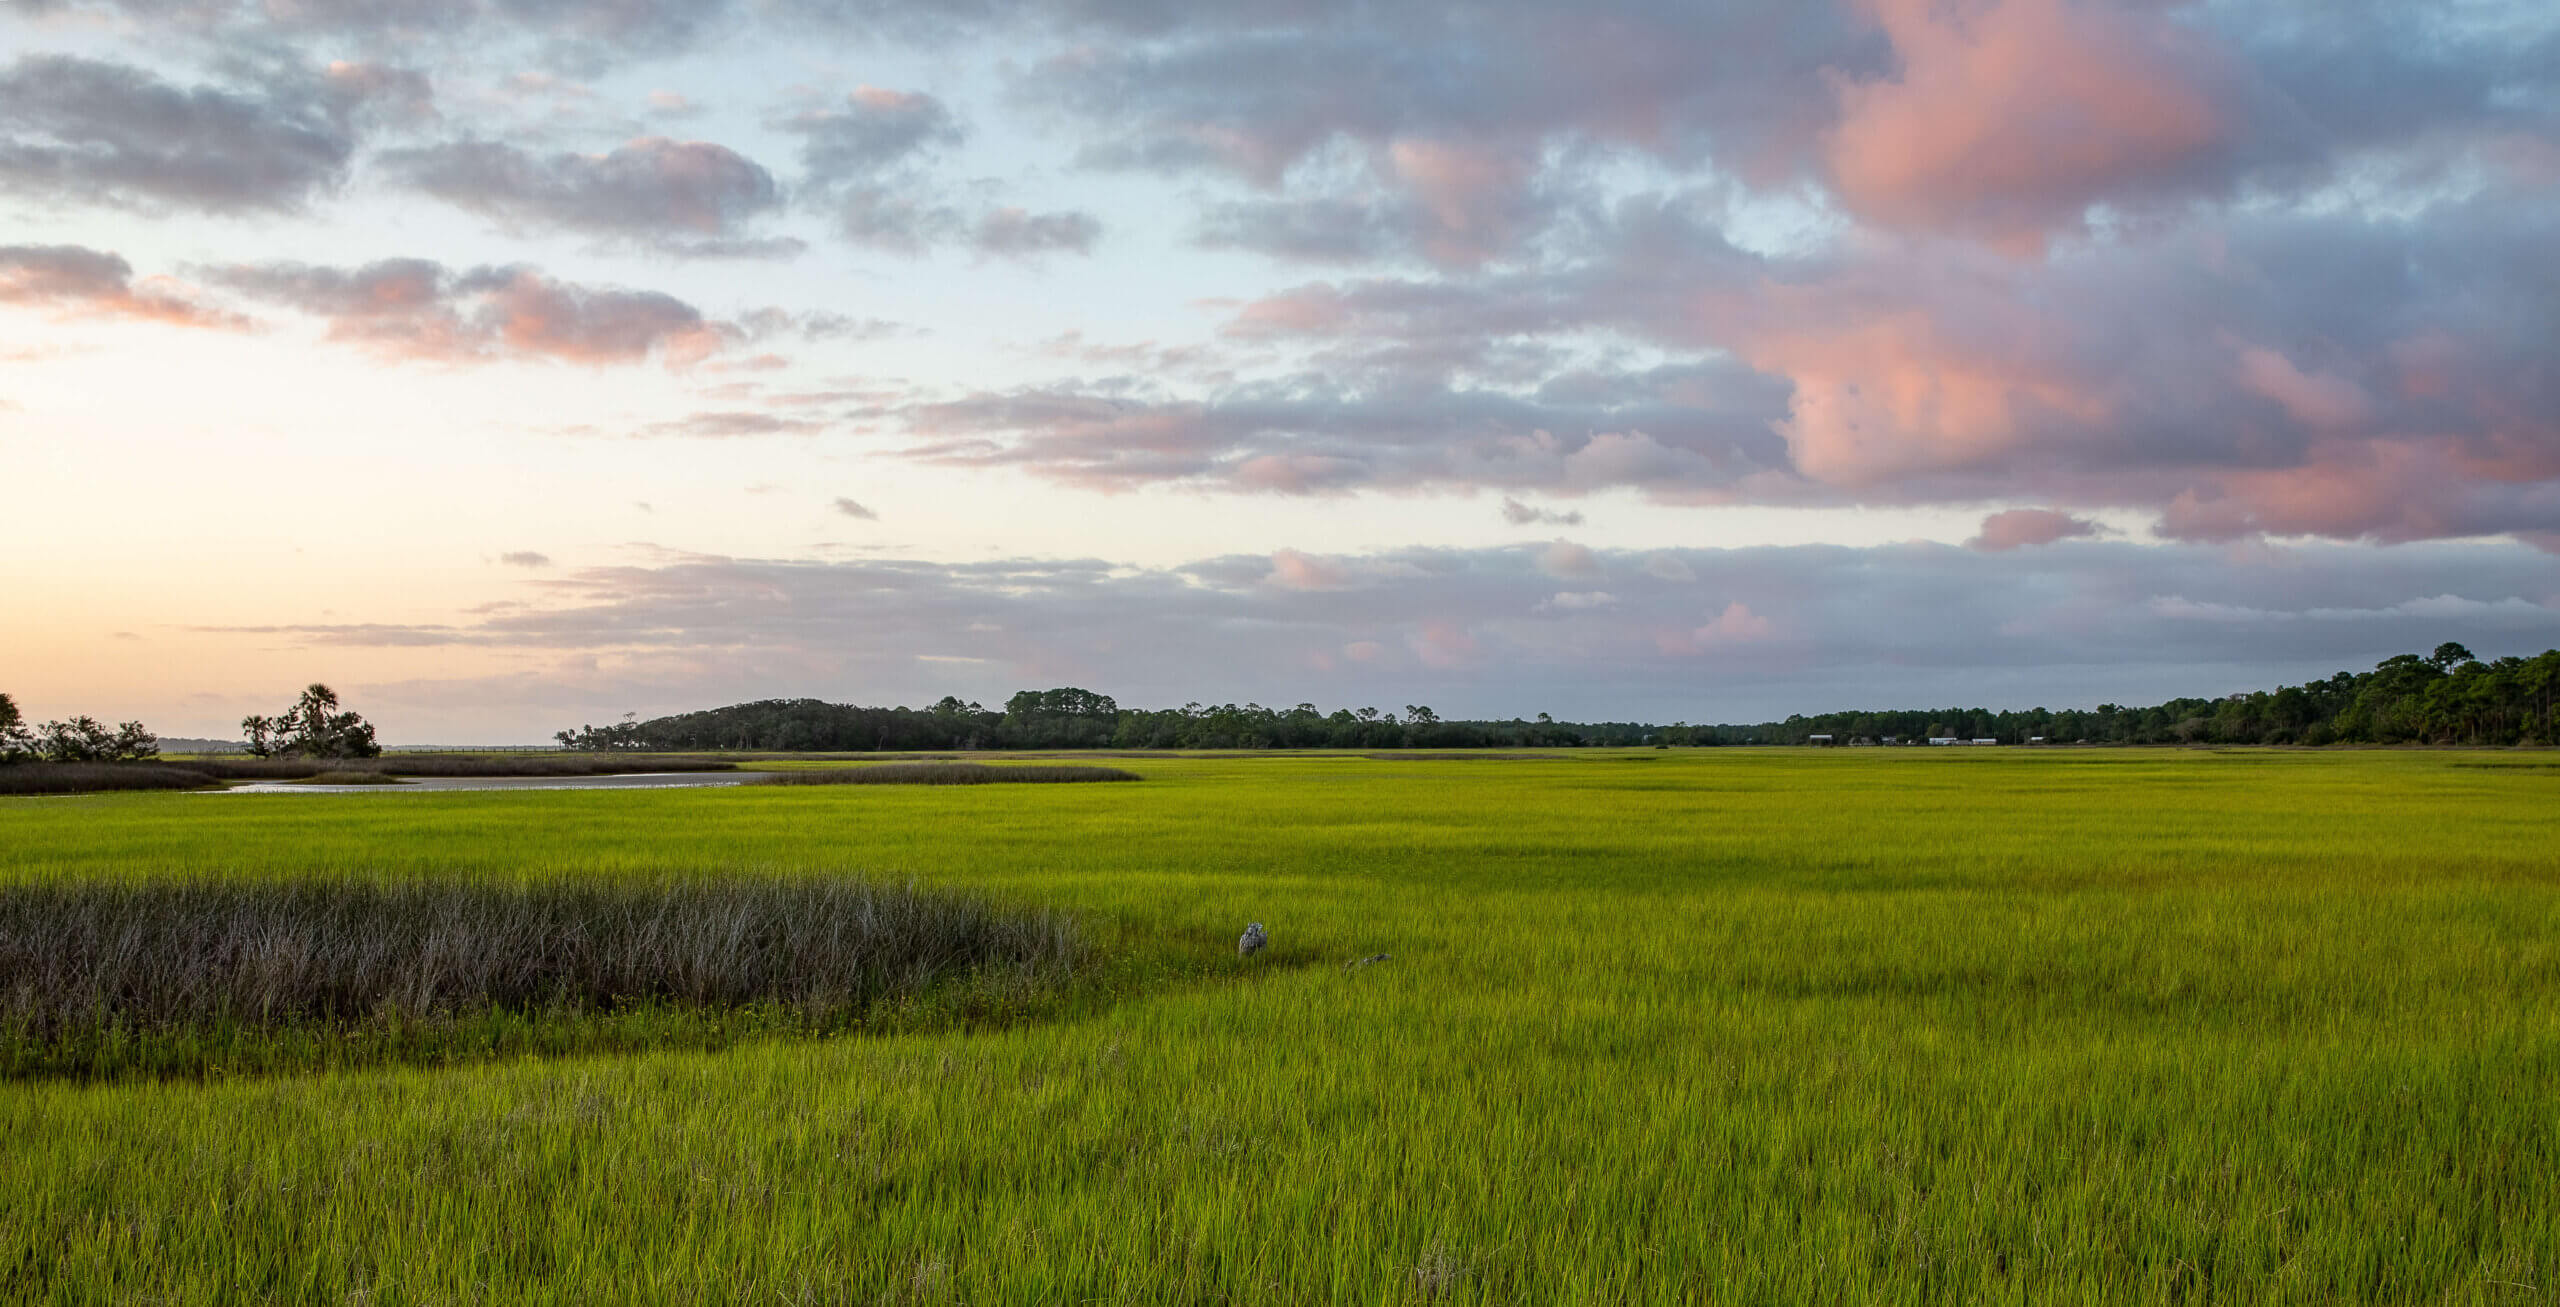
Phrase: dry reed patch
x=90 y=964
x=91 y=777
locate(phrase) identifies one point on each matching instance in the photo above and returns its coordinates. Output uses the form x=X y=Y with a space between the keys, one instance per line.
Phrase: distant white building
x=1986 y=740
x=1819 y=741
x=1944 y=739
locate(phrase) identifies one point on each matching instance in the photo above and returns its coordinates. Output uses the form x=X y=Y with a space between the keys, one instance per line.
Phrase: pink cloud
x=2322 y=401
x=2008 y=118
x=2392 y=488
x=1305 y=310
x=1467 y=191
x=2021 y=527
x=1567 y=561
x=2349 y=488
x=1297 y=474
x=1885 y=391
x=1444 y=644
x=1291 y=570
x=93 y=283
x=1736 y=625
x=536 y=315
x=419 y=309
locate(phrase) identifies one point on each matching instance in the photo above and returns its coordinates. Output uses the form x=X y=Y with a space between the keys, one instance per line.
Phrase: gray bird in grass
x=1252 y=941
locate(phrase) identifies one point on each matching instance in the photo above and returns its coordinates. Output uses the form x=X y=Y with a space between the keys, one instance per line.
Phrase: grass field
x=1717 y=1026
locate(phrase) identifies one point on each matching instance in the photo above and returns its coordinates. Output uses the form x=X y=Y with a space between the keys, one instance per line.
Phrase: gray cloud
x=2049 y=292
x=1018 y=233
x=911 y=218
x=1310 y=230
x=903 y=221
x=420 y=309
x=1520 y=514
x=2019 y=528
x=525 y=558
x=862 y=164
x=79 y=280
x=856 y=511
x=872 y=131
x=765 y=323
x=686 y=197
x=728 y=425
x=106 y=133
x=2334 y=374
x=1725 y=634
x=1697 y=431
x=588 y=35
x=1915 y=116
x=1480 y=95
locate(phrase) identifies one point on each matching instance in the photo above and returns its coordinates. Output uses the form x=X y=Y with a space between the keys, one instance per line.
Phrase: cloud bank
x=1697 y=635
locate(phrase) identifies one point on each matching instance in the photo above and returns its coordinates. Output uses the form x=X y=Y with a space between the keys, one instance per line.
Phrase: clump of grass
x=351 y=778
x=98 y=978
x=90 y=777
x=946 y=773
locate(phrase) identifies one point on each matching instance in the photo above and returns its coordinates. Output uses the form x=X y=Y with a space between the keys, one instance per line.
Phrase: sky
x=514 y=364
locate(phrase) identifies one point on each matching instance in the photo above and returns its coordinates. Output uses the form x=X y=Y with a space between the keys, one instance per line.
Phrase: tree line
x=80 y=739
x=2447 y=697
x=312 y=728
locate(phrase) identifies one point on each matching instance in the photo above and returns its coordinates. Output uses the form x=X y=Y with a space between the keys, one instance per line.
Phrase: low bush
x=351 y=778
x=946 y=773
x=90 y=777
x=97 y=977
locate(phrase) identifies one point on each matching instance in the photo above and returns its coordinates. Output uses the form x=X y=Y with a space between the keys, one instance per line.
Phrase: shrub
x=946 y=773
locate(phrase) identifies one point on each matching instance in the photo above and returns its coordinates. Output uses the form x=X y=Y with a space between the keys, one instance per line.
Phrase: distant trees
x=311 y=728
x=16 y=744
x=1073 y=718
x=1066 y=718
x=622 y=735
x=2446 y=697
x=81 y=739
x=86 y=739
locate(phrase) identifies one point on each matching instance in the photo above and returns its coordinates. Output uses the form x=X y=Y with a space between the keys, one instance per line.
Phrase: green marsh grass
x=1731 y=1027
x=947 y=773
